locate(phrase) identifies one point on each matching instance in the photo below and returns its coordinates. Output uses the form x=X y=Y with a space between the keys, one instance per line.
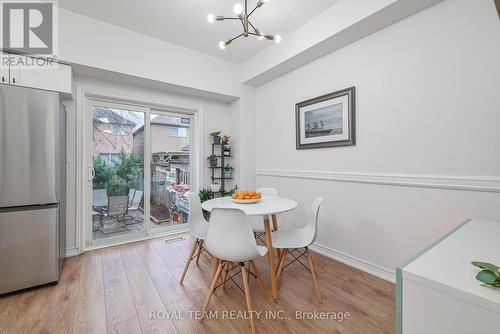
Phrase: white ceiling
x=183 y=22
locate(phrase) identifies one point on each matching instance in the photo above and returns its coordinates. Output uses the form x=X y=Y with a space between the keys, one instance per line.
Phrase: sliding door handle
x=91 y=173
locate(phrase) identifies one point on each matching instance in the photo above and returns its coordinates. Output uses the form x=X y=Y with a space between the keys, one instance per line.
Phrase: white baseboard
x=370 y=268
x=73 y=251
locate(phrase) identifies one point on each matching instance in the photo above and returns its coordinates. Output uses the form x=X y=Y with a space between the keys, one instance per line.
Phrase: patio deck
x=112 y=227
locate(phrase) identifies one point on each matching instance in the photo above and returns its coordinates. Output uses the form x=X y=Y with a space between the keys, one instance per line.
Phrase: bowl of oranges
x=246 y=197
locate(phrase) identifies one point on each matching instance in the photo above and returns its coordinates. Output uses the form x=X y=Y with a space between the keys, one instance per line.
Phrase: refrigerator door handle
x=91 y=173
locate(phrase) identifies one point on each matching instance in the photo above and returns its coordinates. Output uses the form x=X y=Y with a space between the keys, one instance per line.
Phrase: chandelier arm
x=231 y=18
x=258 y=5
x=235 y=38
x=242 y=23
x=253 y=10
x=253 y=27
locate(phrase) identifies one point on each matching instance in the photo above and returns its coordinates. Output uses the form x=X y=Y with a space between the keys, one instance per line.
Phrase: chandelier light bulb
x=238 y=9
x=277 y=39
x=222 y=45
x=261 y=36
x=265 y=1
x=210 y=18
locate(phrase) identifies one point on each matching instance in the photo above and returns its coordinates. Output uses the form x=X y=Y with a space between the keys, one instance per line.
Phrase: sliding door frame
x=84 y=100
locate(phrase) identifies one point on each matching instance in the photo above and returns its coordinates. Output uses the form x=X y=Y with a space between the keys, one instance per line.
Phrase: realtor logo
x=28 y=27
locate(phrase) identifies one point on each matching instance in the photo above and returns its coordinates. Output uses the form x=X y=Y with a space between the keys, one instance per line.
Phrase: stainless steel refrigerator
x=32 y=187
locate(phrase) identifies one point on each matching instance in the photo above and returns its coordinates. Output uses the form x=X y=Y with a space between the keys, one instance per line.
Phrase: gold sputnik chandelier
x=243 y=16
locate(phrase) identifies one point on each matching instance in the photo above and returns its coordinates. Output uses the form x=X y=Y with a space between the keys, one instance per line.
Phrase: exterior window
x=110 y=158
x=178 y=132
x=118 y=130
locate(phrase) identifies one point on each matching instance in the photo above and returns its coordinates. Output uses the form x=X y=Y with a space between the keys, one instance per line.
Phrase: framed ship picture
x=326 y=121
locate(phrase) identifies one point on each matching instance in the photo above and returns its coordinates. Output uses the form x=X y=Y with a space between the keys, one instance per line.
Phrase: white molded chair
x=230 y=239
x=256 y=222
x=295 y=240
x=199 y=229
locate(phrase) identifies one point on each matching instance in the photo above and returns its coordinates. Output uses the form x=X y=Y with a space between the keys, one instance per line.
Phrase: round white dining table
x=267 y=206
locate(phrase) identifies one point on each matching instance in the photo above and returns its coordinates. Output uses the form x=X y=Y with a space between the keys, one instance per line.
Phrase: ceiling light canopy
x=248 y=28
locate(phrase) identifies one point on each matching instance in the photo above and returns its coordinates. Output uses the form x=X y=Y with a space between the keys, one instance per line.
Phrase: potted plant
x=215 y=187
x=216 y=137
x=227 y=151
x=205 y=194
x=228 y=193
x=213 y=160
x=228 y=171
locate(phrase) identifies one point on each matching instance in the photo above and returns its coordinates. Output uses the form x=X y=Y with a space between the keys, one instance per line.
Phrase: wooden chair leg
x=188 y=262
x=259 y=279
x=215 y=264
x=212 y=289
x=247 y=297
x=314 y=275
x=281 y=264
x=224 y=277
x=200 y=248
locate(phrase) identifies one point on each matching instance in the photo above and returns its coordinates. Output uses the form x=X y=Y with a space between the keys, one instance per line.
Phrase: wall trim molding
x=352 y=261
x=449 y=182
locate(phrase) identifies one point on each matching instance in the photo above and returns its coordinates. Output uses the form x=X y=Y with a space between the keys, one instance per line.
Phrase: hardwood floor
x=114 y=290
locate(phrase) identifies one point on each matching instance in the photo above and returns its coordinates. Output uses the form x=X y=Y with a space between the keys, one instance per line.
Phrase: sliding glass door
x=170 y=170
x=140 y=172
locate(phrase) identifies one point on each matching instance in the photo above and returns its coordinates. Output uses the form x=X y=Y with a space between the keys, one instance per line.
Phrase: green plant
x=205 y=194
x=118 y=177
x=228 y=167
x=103 y=173
x=489 y=275
x=116 y=186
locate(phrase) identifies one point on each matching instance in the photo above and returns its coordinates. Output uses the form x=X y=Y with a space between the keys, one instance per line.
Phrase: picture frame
x=326 y=121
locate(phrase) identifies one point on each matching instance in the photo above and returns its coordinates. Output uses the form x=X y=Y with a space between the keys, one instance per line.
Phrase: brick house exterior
x=111 y=133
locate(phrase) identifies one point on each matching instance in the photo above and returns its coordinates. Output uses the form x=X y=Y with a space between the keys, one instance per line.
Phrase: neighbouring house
x=169 y=139
x=112 y=133
x=169 y=156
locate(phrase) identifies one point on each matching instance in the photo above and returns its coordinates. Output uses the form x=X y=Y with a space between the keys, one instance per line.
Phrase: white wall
x=215 y=116
x=89 y=42
x=244 y=120
x=427 y=99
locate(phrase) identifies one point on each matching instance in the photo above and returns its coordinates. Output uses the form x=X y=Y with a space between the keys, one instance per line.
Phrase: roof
x=166 y=121
x=108 y=116
x=169 y=120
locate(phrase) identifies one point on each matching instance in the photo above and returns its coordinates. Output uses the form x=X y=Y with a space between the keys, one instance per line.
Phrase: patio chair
x=133 y=205
x=118 y=209
x=135 y=201
x=99 y=202
x=131 y=193
x=99 y=198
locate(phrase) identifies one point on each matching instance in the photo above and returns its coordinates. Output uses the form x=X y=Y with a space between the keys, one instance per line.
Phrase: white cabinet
x=437 y=292
x=37 y=73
